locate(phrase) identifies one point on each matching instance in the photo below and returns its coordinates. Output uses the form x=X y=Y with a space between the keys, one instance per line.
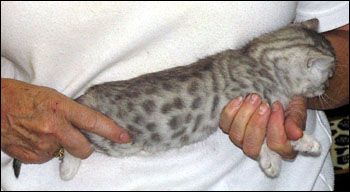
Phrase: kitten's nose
x=330 y=74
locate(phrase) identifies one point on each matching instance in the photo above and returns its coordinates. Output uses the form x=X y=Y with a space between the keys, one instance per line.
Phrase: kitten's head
x=305 y=58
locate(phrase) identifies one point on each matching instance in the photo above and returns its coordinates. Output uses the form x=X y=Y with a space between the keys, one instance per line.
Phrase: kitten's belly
x=111 y=148
x=162 y=131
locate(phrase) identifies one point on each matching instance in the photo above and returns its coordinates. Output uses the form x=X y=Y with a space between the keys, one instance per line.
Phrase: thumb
x=295 y=119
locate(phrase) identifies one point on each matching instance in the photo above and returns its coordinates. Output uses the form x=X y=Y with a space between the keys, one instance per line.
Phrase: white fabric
x=331 y=14
x=71 y=45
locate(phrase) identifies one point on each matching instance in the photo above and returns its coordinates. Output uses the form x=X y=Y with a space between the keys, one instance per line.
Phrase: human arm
x=36 y=121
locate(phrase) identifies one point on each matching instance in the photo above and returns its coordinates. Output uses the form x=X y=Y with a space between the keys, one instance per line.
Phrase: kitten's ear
x=311 y=24
x=320 y=62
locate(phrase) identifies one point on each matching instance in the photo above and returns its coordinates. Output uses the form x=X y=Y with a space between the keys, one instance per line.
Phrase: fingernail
x=124 y=137
x=237 y=101
x=253 y=98
x=263 y=108
x=275 y=106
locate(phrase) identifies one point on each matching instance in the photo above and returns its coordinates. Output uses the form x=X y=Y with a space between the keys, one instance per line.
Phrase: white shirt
x=70 y=46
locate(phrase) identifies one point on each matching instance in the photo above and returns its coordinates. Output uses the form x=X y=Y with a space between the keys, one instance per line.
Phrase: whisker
x=330 y=99
x=325 y=100
x=320 y=99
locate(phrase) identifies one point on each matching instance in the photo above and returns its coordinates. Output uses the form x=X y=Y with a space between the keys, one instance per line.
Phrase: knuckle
x=236 y=138
x=227 y=113
x=251 y=151
x=50 y=101
x=224 y=128
x=282 y=148
x=30 y=158
x=46 y=126
x=91 y=122
x=290 y=156
x=274 y=146
x=86 y=154
x=46 y=146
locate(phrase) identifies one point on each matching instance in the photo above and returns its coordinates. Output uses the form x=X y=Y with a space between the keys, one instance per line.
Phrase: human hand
x=248 y=122
x=36 y=121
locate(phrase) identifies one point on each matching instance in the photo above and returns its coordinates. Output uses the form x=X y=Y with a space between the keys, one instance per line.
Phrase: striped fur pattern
x=182 y=105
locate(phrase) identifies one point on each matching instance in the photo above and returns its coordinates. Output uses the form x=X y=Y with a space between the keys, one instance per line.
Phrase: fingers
x=60 y=131
x=229 y=113
x=242 y=117
x=276 y=136
x=25 y=155
x=256 y=130
x=95 y=122
x=73 y=141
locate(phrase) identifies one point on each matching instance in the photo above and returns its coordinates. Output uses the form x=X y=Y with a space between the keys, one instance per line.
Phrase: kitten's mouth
x=314 y=93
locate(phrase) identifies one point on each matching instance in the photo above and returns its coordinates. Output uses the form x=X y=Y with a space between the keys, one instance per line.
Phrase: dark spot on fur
x=197 y=122
x=215 y=104
x=178 y=134
x=138 y=119
x=265 y=73
x=166 y=108
x=151 y=90
x=117 y=97
x=174 y=122
x=183 y=78
x=132 y=94
x=188 y=118
x=178 y=103
x=243 y=85
x=193 y=88
x=155 y=137
x=107 y=94
x=130 y=106
x=214 y=83
x=134 y=129
x=167 y=86
x=196 y=103
x=198 y=75
x=149 y=106
x=151 y=126
x=184 y=139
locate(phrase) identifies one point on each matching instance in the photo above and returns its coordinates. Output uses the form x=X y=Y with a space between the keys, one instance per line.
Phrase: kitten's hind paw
x=69 y=166
x=270 y=162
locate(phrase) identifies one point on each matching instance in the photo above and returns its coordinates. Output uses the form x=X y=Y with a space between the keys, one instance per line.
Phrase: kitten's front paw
x=307 y=144
x=69 y=166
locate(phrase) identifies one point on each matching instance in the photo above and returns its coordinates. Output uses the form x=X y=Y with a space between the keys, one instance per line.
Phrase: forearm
x=338 y=92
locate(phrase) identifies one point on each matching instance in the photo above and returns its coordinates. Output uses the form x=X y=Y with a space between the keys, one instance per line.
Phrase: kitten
x=182 y=105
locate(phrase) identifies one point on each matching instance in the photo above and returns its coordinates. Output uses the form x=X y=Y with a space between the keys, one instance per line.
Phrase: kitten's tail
x=16 y=167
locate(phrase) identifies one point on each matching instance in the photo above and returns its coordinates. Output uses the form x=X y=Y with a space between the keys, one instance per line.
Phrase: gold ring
x=59 y=153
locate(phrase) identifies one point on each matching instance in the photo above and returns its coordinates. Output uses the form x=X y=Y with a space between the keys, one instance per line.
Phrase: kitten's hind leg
x=307 y=144
x=270 y=161
x=69 y=166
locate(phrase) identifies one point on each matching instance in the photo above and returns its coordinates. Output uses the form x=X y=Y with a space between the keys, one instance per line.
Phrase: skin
x=36 y=121
x=247 y=127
